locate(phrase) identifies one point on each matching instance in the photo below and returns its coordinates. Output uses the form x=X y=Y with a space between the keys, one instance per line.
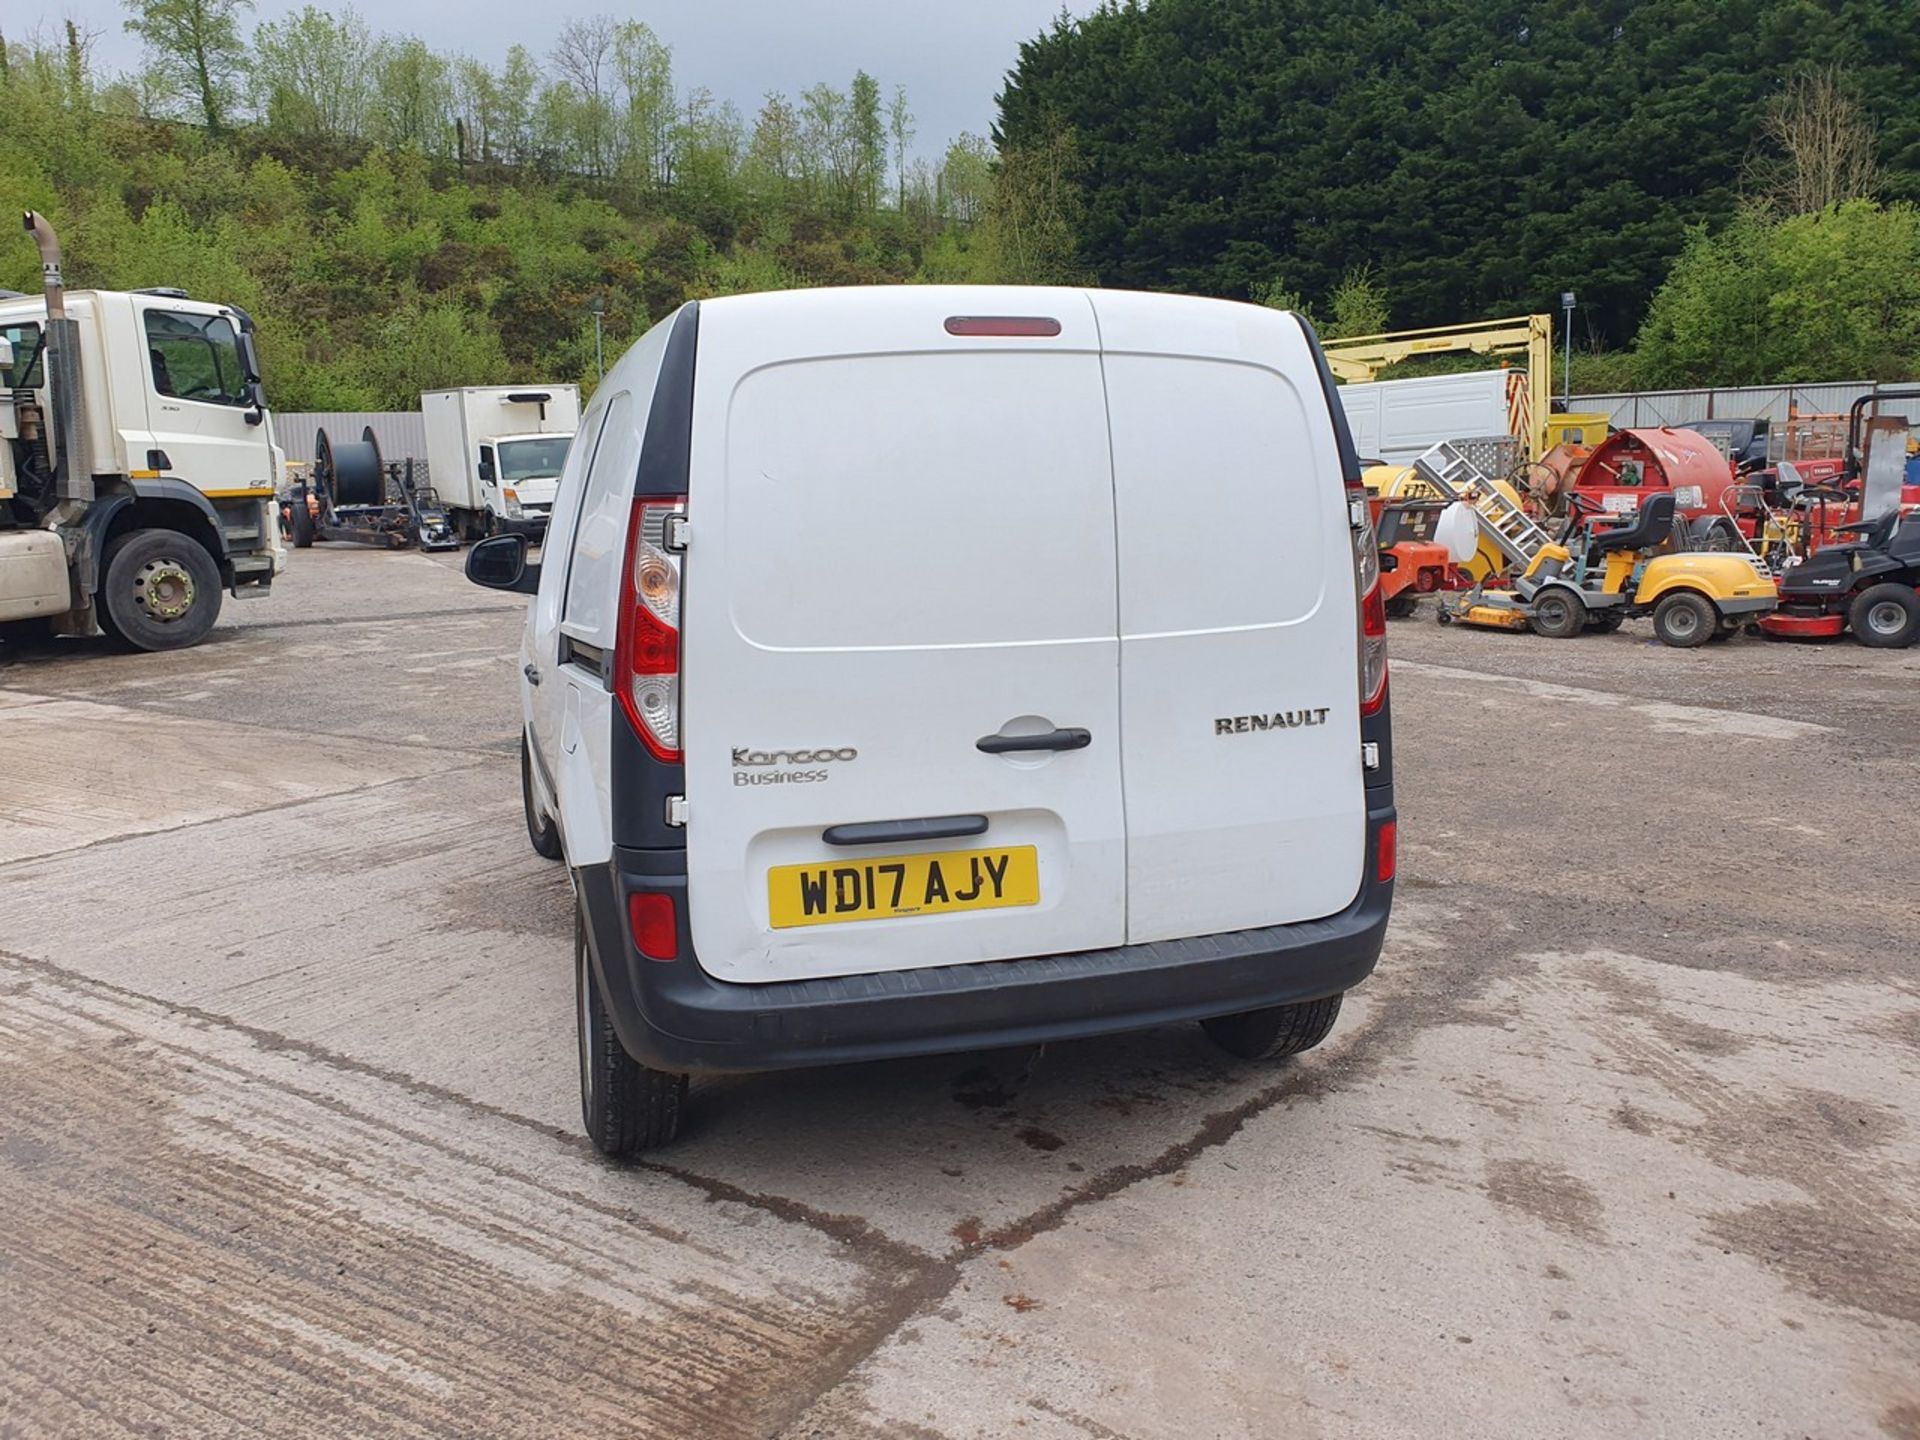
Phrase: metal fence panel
x=401 y=433
x=1649 y=408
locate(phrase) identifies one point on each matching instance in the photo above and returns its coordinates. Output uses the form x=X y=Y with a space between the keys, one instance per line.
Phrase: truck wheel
x=1558 y=614
x=162 y=590
x=1886 y=617
x=542 y=832
x=1685 y=620
x=1270 y=1034
x=300 y=521
x=624 y=1106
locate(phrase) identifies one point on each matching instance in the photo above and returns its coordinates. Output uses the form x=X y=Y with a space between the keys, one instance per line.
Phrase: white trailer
x=1397 y=420
x=494 y=453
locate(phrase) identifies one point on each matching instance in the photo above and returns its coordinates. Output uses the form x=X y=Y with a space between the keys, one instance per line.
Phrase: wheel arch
x=159 y=504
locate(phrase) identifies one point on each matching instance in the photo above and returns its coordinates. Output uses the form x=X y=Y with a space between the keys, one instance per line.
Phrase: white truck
x=494 y=453
x=1396 y=420
x=137 y=461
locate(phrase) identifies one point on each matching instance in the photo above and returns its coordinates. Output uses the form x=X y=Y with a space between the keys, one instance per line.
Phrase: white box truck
x=494 y=453
x=1397 y=420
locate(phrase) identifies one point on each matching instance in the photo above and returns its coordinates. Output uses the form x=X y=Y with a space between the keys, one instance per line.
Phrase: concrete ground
x=1620 y=1139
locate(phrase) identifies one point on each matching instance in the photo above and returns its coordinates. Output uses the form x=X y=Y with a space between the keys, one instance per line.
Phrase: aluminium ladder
x=1513 y=532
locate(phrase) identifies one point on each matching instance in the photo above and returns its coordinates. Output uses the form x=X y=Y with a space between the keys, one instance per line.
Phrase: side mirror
x=250 y=371
x=500 y=563
x=486 y=471
x=249 y=356
x=6 y=353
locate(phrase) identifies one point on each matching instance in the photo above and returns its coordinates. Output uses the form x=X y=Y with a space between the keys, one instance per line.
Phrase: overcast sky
x=951 y=57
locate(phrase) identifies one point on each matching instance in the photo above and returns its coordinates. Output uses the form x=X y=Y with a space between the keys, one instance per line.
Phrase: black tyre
x=1558 y=613
x=1886 y=617
x=1685 y=620
x=1401 y=606
x=301 y=522
x=1606 y=622
x=1717 y=534
x=1270 y=1034
x=162 y=590
x=624 y=1106
x=542 y=832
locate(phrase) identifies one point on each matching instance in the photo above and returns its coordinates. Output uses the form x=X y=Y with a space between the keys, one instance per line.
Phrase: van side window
x=195 y=357
x=567 y=497
x=600 y=540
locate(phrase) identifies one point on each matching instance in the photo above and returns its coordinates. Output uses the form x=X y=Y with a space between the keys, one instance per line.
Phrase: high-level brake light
x=1002 y=325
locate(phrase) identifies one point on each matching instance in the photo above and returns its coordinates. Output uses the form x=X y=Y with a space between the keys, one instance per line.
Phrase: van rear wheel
x=625 y=1107
x=542 y=833
x=1270 y=1034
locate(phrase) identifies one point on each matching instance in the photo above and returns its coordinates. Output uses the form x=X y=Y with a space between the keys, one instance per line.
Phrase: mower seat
x=1651 y=524
x=1874 y=534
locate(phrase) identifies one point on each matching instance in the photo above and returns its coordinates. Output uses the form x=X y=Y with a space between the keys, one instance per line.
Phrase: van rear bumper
x=674 y=1016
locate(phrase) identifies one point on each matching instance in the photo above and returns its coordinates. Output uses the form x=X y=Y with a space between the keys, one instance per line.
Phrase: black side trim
x=666 y=448
x=674 y=1016
x=638 y=784
x=905 y=832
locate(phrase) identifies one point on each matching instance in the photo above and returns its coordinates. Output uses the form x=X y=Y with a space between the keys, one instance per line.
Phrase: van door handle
x=900 y=832
x=532 y=672
x=1052 y=740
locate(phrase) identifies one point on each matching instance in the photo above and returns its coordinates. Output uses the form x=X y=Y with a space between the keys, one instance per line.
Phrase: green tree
x=310 y=73
x=194 y=51
x=1834 y=295
x=900 y=131
x=1482 y=156
x=1359 y=305
x=867 y=141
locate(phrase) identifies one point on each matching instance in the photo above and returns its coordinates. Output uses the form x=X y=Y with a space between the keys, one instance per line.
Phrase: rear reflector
x=1386 y=855
x=656 y=933
x=1002 y=325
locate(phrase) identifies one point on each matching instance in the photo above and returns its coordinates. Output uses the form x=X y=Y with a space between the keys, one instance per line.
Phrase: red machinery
x=1630 y=464
x=1412 y=562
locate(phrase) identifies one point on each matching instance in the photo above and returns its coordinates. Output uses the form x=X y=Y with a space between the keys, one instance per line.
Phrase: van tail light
x=1386 y=856
x=1373 y=603
x=646 y=666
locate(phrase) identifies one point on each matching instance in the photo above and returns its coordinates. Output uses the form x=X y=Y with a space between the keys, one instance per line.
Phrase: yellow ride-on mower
x=1606 y=568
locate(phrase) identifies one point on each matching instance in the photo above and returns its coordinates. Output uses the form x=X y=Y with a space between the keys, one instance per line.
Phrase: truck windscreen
x=537 y=459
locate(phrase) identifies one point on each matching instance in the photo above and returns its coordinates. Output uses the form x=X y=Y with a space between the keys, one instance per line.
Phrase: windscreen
x=538 y=459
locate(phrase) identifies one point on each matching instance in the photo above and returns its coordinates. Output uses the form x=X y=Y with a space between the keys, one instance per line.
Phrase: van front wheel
x=1270 y=1034
x=624 y=1106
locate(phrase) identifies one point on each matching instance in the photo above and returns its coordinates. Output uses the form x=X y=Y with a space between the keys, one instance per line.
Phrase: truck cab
x=137 y=461
x=518 y=475
x=495 y=452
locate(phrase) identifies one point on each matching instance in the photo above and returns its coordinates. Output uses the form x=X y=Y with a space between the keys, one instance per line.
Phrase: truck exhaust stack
x=72 y=468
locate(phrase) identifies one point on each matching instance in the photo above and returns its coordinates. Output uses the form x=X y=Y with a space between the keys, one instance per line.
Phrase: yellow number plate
x=886 y=886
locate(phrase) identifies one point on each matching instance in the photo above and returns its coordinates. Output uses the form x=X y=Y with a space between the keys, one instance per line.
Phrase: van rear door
x=900 y=564
x=1239 y=682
